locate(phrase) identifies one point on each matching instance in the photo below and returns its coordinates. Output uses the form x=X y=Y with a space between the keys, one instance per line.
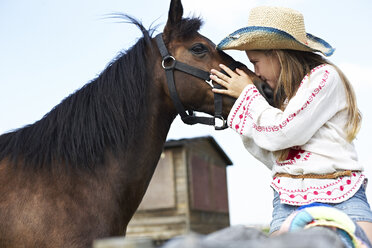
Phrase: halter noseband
x=169 y=63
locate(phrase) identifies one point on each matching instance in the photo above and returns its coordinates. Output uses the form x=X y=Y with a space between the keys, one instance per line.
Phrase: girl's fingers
x=220 y=75
x=220 y=91
x=227 y=70
x=218 y=80
x=240 y=72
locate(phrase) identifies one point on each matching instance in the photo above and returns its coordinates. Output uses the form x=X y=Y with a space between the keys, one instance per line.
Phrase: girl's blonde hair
x=294 y=66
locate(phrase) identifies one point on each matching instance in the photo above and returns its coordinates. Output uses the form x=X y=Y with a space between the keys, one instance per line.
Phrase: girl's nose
x=256 y=71
x=258 y=74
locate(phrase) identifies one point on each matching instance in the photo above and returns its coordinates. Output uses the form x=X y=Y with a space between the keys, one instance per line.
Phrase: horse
x=80 y=172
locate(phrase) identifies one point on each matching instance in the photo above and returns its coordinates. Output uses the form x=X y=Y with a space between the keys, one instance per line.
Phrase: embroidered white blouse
x=313 y=127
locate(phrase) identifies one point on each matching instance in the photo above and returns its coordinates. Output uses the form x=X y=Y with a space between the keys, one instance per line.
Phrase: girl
x=306 y=141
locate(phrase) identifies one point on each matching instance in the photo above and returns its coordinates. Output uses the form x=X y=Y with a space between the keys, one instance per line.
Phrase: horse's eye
x=198 y=49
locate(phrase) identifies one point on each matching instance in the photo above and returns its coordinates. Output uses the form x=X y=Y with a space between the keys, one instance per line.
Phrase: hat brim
x=266 y=38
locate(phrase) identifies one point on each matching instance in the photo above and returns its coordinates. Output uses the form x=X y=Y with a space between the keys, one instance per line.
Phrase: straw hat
x=275 y=28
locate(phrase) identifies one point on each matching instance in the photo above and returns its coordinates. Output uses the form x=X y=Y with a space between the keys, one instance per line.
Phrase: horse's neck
x=137 y=164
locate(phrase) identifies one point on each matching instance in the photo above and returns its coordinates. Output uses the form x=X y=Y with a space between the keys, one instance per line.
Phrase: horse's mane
x=101 y=116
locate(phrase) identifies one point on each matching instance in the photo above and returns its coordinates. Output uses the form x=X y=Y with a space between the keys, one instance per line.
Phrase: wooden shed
x=188 y=192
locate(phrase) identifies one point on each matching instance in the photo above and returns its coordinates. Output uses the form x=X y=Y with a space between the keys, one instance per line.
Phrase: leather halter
x=169 y=63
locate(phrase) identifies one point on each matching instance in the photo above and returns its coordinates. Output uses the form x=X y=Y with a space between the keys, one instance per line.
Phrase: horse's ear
x=174 y=17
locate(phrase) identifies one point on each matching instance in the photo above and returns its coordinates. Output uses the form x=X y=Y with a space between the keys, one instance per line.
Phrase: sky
x=50 y=48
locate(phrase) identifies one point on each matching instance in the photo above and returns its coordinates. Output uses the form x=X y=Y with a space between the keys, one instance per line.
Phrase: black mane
x=101 y=116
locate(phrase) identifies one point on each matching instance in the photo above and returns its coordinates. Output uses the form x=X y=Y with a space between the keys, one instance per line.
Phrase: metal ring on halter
x=168 y=57
x=219 y=122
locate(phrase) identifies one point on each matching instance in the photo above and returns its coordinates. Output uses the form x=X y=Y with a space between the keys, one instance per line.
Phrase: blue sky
x=48 y=49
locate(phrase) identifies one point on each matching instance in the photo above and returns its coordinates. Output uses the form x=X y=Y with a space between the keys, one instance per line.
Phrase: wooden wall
x=188 y=192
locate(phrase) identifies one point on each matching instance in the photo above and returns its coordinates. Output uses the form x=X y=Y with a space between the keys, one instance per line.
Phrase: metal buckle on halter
x=168 y=59
x=210 y=82
x=220 y=123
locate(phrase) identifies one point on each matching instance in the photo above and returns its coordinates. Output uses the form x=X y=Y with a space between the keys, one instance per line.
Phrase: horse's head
x=185 y=47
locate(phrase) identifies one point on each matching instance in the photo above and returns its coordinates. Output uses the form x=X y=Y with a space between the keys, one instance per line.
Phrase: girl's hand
x=234 y=84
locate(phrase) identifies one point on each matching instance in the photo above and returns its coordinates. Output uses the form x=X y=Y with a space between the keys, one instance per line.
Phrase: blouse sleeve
x=319 y=97
x=264 y=156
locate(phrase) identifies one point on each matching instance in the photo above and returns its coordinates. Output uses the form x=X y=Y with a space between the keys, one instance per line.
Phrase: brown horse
x=80 y=172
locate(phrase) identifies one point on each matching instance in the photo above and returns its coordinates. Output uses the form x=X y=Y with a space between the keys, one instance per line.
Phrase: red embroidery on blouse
x=294 y=156
x=246 y=108
x=240 y=104
x=312 y=71
x=294 y=153
x=338 y=185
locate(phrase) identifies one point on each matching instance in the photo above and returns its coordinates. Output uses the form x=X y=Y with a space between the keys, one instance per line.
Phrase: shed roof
x=210 y=139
